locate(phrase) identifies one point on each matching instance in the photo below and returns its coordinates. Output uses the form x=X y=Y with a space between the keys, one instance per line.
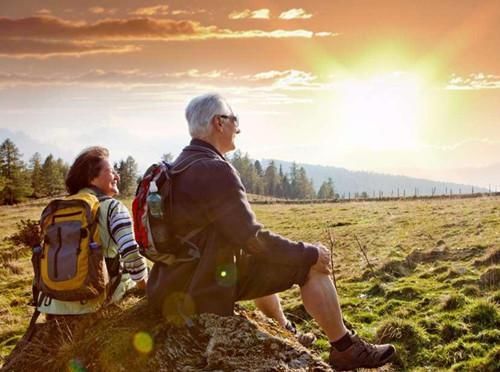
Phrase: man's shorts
x=258 y=278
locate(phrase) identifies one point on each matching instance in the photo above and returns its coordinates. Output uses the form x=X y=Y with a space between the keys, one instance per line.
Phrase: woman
x=93 y=173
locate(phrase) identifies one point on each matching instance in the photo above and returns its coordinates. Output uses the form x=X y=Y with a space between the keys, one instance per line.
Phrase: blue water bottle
x=155 y=205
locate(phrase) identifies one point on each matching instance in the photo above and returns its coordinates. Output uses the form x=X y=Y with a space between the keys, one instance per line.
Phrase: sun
x=380 y=113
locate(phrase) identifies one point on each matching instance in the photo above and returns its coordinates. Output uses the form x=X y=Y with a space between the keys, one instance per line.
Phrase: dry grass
x=435 y=264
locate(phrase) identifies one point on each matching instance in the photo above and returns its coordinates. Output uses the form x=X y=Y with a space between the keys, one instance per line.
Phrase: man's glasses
x=233 y=118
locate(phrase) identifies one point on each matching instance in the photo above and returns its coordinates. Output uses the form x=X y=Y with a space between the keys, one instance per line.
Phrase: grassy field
x=428 y=283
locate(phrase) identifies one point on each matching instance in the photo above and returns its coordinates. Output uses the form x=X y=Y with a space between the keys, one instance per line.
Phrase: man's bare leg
x=321 y=302
x=271 y=307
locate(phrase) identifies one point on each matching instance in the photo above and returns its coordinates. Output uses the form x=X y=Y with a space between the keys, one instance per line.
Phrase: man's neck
x=212 y=142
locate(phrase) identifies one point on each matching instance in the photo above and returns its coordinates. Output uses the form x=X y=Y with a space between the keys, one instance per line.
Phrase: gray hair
x=201 y=110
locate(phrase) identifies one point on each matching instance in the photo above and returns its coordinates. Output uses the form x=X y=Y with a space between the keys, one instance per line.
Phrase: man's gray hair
x=201 y=110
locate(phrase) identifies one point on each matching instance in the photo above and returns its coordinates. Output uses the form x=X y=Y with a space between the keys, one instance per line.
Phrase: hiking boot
x=305 y=339
x=361 y=354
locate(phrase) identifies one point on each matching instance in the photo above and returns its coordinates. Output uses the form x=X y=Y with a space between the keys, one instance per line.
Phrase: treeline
x=44 y=177
x=273 y=181
x=40 y=177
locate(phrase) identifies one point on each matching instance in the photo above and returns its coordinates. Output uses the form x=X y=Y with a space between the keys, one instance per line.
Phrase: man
x=239 y=259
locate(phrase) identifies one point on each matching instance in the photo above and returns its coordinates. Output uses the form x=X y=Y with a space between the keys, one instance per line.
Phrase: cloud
x=52 y=28
x=266 y=80
x=263 y=13
x=101 y=10
x=474 y=81
x=43 y=12
x=44 y=49
x=151 y=11
x=187 y=12
x=118 y=29
x=295 y=13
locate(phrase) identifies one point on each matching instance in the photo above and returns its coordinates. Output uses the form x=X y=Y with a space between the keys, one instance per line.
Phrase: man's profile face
x=230 y=126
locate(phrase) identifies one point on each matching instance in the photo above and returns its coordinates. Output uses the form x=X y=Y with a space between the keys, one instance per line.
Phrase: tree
x=36 y=175
x=326 y=190
x=127 y=170
x=303 y=186
x=15 y=176
x=168 y=157
x=271 y=179
x=53 y=176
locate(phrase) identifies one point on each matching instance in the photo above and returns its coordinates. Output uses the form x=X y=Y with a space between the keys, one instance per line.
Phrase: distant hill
x=347 y=181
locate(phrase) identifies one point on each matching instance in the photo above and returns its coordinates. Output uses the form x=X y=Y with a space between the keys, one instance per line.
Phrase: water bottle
x=154 y=201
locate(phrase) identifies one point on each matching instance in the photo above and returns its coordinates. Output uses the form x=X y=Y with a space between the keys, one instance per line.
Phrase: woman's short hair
x=85 y=168
x=200 y=112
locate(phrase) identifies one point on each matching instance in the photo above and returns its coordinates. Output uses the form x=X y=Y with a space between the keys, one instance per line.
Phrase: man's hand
x=324 y=263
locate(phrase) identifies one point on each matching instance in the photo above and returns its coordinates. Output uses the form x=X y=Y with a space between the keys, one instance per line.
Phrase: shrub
x=28 y=234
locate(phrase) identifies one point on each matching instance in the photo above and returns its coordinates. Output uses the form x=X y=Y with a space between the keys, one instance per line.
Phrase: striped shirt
x=120 y=239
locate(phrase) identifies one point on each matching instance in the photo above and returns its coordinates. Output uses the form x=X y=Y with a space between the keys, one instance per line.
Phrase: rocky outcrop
x=136 y=339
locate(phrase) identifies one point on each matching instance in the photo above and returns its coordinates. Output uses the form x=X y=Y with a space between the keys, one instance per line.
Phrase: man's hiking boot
x=361 y=354
x=305 y=339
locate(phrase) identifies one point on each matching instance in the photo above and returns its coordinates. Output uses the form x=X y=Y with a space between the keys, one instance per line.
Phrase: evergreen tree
x=36 y=175
x=271 y=179
x=303 y=186
x=326 y=191
x=127 y=170
x=258 y=168
x=53 y=177
x=15 y=176
x=259 y=178
x=63 y=168
x=168 y=157
x=293 y=191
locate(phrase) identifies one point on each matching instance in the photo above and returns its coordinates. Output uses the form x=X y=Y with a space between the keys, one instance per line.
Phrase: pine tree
x=127 y=170
x=53 y=177
x=36 y=175
x=15 y=176
x=168 y=157
x=326 y=191
x=259 y=178
x=271 y=179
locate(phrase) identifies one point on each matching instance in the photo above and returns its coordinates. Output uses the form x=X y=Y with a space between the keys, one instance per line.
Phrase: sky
x=394 y=86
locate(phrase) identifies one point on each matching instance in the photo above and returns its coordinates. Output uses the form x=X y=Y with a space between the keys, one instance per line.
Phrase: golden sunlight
x=382 y=112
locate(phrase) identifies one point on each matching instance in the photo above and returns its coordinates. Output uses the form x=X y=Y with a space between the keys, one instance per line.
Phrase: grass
x=425 y=294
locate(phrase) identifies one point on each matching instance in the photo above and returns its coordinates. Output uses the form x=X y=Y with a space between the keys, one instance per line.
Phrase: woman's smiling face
x=107 y=180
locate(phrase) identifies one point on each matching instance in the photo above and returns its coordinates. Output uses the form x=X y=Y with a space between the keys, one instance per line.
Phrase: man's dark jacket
x=210 y=194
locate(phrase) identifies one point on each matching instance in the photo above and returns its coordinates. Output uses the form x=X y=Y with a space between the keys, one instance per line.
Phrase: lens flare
x=143 y=342
x=179 y=308
x=226 y=275
x=75 y=365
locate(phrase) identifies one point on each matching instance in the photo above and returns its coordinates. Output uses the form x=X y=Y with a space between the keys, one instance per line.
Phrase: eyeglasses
x=233 y=118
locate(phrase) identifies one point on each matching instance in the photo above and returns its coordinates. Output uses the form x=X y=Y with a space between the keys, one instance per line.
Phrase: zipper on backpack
x=57 y=251
x=66 y=215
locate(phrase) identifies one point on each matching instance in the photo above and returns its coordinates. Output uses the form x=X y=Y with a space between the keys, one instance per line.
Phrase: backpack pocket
x=63 y=249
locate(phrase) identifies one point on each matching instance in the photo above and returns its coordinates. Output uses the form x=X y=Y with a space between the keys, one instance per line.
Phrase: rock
x=107 y=341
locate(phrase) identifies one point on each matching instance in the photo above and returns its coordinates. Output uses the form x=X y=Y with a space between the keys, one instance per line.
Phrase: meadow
x=427 y=280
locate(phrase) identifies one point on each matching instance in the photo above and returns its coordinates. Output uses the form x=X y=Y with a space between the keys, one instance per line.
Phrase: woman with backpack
x=87 y=259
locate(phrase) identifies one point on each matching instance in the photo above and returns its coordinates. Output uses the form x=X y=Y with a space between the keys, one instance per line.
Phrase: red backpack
x=156 y=241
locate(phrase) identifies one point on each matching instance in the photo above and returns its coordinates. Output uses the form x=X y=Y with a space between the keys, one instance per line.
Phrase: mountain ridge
x=374 y=183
